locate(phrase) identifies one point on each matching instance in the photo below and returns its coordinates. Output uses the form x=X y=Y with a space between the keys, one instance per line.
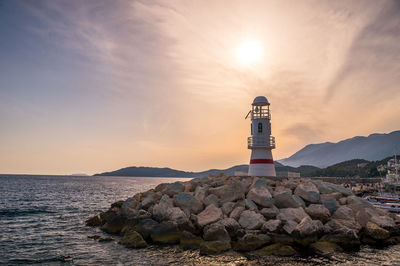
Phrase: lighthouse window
x=259 y=127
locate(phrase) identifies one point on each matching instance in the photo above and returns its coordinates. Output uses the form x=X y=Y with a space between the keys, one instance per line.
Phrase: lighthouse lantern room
x=261 y=142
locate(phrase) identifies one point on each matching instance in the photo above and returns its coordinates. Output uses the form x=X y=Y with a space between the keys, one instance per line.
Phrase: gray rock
x=308 y=192
x=344 y=212
x=385 y=222
x=327 y=188
x=231 y=225
x=190 y=241
x=214 y=247
x=290 y=226
x=250 y=205
x=150 y=199
x=200 y=193
x=260 y=195
x=271 y=226
x=270 y=213
x=227 y=208
x=131 y=206
x=211 y=199
x=376 y=232
x=236 y=212
x=215 y=231
x=187 y=201
x=251 y=220
x=281 y=189
x=286 y=200
x=174 y=188
x=133 y=239
x=331 y=196
x=144 y=227
x=234 y=191
x=166 y=233
x=331 y=205
x=308 y=228
x=251 y=242
x=210 y=215
x=292 y=214
x=318 y=212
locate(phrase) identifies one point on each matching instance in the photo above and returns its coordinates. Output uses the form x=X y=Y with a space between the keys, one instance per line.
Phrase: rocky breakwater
x=249 y=214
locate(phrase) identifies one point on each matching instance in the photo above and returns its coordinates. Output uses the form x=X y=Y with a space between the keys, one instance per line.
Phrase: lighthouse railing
x=262 y=113
x=261 y=142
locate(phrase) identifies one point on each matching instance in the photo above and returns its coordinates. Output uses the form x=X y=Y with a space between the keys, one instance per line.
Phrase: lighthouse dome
x=260 y=100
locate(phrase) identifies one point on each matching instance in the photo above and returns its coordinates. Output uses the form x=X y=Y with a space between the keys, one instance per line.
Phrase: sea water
x=42 y=221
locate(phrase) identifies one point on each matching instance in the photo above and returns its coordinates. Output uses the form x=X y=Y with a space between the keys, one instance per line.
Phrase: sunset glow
x=249 y=52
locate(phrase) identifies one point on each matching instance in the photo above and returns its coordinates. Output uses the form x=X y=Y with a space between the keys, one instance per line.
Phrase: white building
x=261 y=142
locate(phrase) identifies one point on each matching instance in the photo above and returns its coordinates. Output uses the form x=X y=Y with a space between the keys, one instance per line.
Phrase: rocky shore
x=250 y=214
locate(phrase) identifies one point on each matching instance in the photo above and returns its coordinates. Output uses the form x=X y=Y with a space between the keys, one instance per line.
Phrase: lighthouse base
x=261 y=163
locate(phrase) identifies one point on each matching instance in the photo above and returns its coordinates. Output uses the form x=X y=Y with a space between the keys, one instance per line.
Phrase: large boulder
x=227 y=208
x=190 y=241
x=286 y=200
x=114 y=223
x=133 y=239
x=200 y=192
x=385 y=222
x=250 y=205
x=276 y=249
x=260 y=194
x=210 y=215
x=308 y=228
x=251 y=220
x=327 y=188
x=94 y=221
x=215 y=231
x=308 y=192
x=234 y=191
x=236 y=212
x=325 y=248
x=251 y=242
x=376 y=232
x=343 y=212
x=270 y=213
x=174 y=188
x=289 y=226
x=211 y=199
x=318 y=212
x=214 y=247
x=331 y=205
x=145 y=227
x=231 y=225
x=271 y=226
x=131 y=206
x=188 y=202
x=166 y=233
x=292 y=214
x=149 y=199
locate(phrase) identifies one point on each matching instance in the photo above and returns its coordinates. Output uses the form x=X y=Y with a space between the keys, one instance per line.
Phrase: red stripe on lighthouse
x=254 y=161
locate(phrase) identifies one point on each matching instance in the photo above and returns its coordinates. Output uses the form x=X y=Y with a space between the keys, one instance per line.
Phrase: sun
x=249 y=52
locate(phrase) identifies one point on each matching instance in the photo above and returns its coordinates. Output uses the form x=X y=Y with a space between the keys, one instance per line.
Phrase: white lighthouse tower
x=261 y=142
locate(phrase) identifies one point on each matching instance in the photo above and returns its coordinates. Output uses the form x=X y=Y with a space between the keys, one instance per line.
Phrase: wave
x=24 y=212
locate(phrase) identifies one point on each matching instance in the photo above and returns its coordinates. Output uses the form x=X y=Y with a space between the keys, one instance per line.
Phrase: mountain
x=371 y=148
x=168 y=172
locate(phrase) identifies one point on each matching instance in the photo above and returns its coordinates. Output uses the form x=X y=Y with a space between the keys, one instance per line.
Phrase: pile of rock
x=252 y=214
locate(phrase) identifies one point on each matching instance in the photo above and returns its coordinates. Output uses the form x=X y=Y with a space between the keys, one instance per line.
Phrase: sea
x=42 y=222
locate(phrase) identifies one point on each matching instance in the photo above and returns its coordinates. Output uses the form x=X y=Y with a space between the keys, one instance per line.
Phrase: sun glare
x=249 y=52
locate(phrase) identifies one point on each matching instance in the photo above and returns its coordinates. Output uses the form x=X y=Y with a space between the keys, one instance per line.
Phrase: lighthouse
x=261 y=142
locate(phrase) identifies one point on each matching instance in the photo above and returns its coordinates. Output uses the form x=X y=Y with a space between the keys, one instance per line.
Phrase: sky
x=93 y=86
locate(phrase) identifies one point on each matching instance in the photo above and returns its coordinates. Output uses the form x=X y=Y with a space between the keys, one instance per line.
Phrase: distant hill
x=168 y=172
x=355 y=167
x=371 y=148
